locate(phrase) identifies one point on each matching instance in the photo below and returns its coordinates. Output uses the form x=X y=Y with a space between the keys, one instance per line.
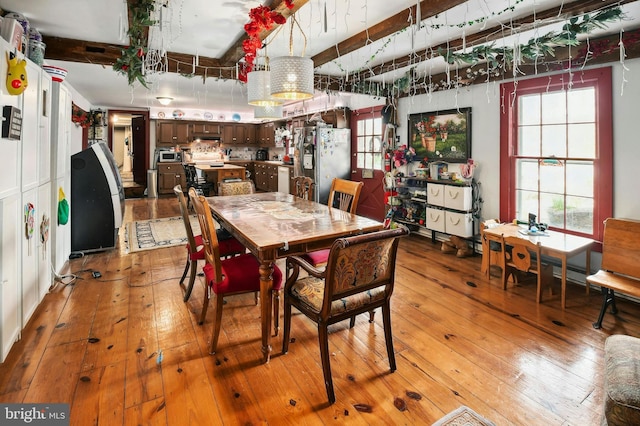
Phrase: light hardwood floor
x=459 y=339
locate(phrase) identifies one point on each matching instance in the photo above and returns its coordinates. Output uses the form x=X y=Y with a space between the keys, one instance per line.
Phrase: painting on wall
x=442 y=135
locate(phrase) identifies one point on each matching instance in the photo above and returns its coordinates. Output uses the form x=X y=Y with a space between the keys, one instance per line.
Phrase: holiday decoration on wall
x=17 y=80
x=29 y=223
x=44 y=233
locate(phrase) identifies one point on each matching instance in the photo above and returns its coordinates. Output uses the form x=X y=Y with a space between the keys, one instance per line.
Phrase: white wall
x=485 y=102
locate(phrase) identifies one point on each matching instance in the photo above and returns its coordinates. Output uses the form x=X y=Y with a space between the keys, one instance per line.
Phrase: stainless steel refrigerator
x=322 y=153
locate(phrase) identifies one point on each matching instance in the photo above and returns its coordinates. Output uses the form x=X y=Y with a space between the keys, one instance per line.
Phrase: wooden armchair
x=359 y=277
x=195 y=249
x=236 y=188
x=303 y=186
x=516 y=255
x=226 y=277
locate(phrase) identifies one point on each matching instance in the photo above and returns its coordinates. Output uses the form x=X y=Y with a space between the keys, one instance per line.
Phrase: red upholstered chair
x=359 y=277
x=226 y=277
x=195 y=249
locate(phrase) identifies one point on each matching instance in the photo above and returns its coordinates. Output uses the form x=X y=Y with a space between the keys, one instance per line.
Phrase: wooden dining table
x=552 y=243
x=274 y=225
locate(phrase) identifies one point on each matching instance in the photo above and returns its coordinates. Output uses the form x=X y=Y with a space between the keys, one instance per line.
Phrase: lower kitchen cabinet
x=266 y=178
x=170 y=175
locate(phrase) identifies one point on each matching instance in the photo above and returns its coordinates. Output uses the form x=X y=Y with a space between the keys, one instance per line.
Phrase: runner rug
x=463 y=416
x=158 y=233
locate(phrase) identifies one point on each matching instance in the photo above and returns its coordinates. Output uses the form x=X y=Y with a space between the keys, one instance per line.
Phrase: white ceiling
x=209 y=28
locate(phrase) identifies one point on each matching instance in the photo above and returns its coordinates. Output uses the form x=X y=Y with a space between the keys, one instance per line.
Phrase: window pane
x=581 y=105
x=529 y=141
x=361 y=127
x=554 y=141
x=377 y=161
x=582 y=140
x=581 y=182
x=377 y=126
x=361 y=143
x=527 y=172
x=552 y=179
x=360 y=161
x=377 y=144
x=554 y=108
x=552 y=210
x=529 y=109
x=527 y=202
x=580 y=214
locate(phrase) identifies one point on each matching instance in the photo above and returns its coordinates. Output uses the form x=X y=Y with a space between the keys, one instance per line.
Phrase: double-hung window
x=556 y=151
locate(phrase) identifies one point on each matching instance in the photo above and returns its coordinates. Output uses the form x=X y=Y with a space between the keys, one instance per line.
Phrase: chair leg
x=388 y=336
x=192 y=280
x=276 y=312
x=323 y=338
x=372 y=315
x=287 y=325
x=186 y=268
x=217 y=322
x=608 y=298
x=205 y=305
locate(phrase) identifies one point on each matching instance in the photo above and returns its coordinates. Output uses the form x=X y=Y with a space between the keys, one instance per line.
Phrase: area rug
x=463 y=416
x=158 y=233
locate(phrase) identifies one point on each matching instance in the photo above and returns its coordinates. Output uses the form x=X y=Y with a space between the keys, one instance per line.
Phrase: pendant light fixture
x=292 y=76
x=268 y=112
x=259 y=87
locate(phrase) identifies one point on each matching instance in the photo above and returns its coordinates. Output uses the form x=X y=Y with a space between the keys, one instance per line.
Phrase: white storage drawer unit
x=460 y=224
x=435 y=194
x=435 y=219
x=457 y=197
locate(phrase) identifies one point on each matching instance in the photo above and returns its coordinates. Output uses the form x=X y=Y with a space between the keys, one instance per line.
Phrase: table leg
x=563 y=281
x=266 y=308
x=484 y=266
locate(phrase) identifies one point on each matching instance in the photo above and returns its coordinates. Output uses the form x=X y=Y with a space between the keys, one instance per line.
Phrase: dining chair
x=517 y=257
x=195 y=249
x=242 y=187
x=231 y=276
x=303 y=186
x=344 y=195
x=359 y=277
x=194 y=181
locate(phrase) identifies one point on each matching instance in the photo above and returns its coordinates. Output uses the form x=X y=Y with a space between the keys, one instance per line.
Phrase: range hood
x=207 y=138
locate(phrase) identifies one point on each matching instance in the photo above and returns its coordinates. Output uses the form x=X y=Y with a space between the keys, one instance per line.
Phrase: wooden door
x=140 y=146
x=371 y=203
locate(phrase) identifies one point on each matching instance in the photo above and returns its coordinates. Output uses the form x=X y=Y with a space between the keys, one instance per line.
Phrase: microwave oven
x=169 y=157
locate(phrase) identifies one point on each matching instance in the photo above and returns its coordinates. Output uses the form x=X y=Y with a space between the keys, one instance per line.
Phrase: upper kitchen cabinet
x=239 y=134
x=171 y=132
x=204 y=129
x=267 y=134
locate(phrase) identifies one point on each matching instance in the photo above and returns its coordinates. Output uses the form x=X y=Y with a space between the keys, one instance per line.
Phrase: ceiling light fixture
x=164 y=100
x=292 y=76
x=259 y=89
x=269 y=112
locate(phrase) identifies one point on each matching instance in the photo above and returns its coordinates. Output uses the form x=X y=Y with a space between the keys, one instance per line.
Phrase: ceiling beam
x=391 y=25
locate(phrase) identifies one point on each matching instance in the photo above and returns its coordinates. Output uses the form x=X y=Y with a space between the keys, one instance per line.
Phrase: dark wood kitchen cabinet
x=239 y=134
x=170 y=175
x=204 y=129
x=267 y=134
x=266 y=178
x=172 y=133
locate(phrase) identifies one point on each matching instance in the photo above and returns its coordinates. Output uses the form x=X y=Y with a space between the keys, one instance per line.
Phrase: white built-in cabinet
x=26 y=179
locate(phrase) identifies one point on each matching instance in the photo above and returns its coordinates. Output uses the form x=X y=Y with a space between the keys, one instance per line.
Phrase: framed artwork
x=441 y=135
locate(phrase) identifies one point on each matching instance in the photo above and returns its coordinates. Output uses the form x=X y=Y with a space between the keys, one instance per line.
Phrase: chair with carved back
x=195 y=249
x=227 y=277
x=303 y=187
x=194 y=181
x=358 y=277
x=523 y=255
x=242 y=187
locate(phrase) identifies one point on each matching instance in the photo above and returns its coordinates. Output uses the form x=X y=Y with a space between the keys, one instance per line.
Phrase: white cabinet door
x=30 y=129
x=44 y=138
x=9 y=273
x=44 y=245
x=29 y=251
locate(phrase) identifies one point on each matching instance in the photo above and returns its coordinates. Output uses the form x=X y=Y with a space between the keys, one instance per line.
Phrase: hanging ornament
x=44 y=234
x=29 y=223
x=17 y=80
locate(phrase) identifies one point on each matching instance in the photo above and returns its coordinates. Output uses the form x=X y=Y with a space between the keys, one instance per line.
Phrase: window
x=556 y=151
x=369 y=143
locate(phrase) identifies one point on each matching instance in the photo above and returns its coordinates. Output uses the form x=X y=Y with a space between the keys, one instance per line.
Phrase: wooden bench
x=620 y=269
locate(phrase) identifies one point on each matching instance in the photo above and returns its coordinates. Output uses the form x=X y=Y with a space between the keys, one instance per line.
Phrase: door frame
x=147 y=139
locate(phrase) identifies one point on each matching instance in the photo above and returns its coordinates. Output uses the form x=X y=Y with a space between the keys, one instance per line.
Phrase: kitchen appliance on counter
x=169 y=157
x=322 y=153
x=262 y=154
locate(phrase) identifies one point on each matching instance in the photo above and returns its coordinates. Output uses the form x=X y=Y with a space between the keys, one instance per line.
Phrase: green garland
x=132 y=60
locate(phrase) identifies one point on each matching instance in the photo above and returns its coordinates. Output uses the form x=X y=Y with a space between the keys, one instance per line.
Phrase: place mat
x=158 y=233
x=463 y=416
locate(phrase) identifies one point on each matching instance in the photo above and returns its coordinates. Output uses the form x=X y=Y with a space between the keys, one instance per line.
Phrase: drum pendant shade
x=268 y=112
x=291 y=78
x=259 y=90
